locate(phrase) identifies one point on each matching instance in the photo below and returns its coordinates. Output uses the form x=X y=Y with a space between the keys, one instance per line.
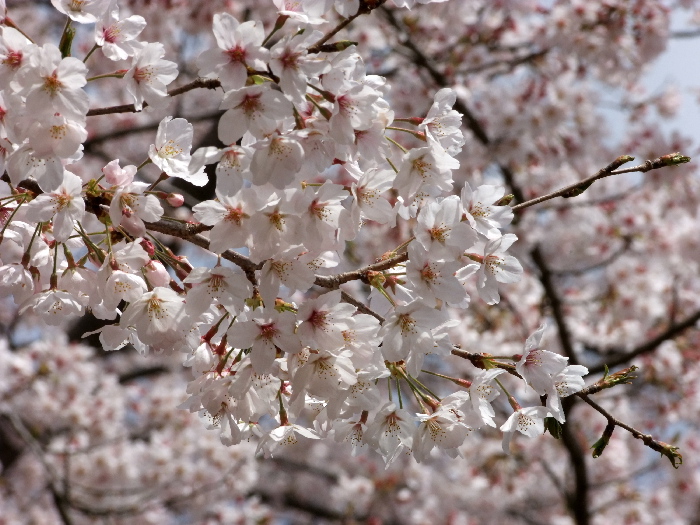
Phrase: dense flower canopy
x=296 y=230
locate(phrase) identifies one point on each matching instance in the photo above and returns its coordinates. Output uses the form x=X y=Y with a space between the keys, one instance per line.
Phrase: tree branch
x=130 y=108
x=671 y=332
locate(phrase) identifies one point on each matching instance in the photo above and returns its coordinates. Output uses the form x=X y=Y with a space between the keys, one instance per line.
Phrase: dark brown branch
x=132 y=130
x=667 y=450
x=130 y=108
x=611 y=169
x=366 y=7
x=577 y=500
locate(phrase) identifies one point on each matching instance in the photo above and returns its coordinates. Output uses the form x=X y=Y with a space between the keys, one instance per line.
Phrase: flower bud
x=175 y=200
x=156 y=274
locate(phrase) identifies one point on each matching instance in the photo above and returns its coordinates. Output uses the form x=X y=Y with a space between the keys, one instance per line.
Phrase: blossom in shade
x=528 y=421
x=157 y=317
x=567 y=382
x=264 y=332
x=391 y=432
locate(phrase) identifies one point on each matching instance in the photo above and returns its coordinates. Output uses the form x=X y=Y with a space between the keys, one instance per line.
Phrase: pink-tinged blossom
x=130 y=207
x=117 y=37
x=82 y=11
x=171 y=152
x=440 y=230
x=275 y=226
x=443 y=124
x=496 y=267
x=425 y=167
x=149 y=75
x=13 y=54
x=354 y=109
x=230 y=217
x=567 y=382
x=53 y=84
x=264 y=332
x=481 y=210
x=408 y=329
x=256 y=109
x=350 y=431
x=537 y=366
x=371 y=144
x=528 y=421
x=115 y=175
x=391 y=432
x=240 y=47
x=226 y=286
x=156 y=274
x=293 y=65
x=323 y=321
x=158 y=318
x=64 y=206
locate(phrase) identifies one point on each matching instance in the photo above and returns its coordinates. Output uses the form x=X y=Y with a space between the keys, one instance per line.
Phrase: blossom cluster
x=312 y=158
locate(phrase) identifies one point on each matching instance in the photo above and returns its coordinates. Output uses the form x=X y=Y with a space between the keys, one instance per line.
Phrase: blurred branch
x=555 y=303
x=671 y=332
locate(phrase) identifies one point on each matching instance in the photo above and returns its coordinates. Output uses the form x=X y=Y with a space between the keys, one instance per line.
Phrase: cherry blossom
x=53 y=84
x=171 y=152
x=117 y=37
x=240 y=47
x=64 y=206
x=149 y=75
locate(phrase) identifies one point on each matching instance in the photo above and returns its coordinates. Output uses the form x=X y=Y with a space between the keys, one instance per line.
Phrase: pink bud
x=148 y=246
x=175 y=200
x=156 y=274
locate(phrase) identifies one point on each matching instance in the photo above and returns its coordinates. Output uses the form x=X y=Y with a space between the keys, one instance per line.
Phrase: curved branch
x=671 y=332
